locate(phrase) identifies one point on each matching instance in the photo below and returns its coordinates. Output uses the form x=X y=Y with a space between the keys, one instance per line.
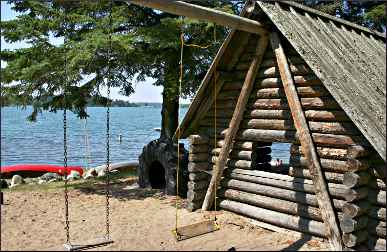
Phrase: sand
x=141 y=219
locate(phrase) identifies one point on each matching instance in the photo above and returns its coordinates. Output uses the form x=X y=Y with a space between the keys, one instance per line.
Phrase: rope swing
x=190 y=231
x=105 y=240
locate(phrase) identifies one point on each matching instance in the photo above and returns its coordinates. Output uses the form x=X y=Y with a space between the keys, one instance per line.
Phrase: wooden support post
x=202 y=13
x=308 y=148
x=235 y=120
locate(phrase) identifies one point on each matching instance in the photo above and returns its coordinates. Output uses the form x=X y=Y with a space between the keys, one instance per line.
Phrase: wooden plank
x=322 y=194
x=77 y=246
x=186 y=232
x=235 y=120
x=203 y=13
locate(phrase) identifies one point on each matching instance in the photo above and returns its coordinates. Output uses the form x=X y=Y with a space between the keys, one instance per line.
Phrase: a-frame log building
x=316 y=82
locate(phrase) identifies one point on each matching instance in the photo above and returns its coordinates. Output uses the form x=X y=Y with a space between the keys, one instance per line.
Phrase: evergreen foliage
x=145 y=43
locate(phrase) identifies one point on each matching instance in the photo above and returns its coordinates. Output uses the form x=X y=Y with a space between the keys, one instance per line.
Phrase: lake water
x=42 y=141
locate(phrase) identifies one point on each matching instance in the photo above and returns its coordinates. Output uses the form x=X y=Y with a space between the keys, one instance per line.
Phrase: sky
x=144 y=91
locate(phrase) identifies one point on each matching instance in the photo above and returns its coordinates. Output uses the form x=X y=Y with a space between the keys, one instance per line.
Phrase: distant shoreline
x=116 y=103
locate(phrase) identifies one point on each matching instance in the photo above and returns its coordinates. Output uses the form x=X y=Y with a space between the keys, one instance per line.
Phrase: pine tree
x=145 y=43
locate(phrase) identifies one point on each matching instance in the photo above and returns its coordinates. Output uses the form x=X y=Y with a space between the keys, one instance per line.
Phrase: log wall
x=251 y=187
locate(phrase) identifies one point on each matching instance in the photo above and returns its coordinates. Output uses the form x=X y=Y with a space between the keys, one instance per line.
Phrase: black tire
x=162 y=153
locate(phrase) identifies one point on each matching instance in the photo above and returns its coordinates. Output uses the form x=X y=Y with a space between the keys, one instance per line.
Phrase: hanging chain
x=66 y=196
x=107 y=190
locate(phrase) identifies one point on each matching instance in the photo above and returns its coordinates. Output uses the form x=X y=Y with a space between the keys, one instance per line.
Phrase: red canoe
x=35 y=170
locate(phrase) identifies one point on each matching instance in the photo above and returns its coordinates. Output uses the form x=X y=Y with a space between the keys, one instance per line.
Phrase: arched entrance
x=157 y=175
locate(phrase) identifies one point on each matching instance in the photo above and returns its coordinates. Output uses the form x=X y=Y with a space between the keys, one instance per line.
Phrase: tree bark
x=170 y=106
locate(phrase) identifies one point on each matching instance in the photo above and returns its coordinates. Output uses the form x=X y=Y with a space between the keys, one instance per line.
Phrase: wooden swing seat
x=79 y=246
x=190 y=231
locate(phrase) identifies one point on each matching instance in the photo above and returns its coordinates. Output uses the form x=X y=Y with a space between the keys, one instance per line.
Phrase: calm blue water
x=42 y=141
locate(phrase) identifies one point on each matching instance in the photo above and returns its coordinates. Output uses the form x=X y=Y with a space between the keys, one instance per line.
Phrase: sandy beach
x=141 y=219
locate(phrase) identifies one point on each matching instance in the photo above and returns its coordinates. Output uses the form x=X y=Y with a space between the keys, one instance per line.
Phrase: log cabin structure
x=316 y=82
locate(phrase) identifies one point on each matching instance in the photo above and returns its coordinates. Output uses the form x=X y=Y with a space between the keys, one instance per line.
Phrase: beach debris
x=101 y=173
x=41 y=181
x=90 y=173
x=16 y=180
x=131 y=187
x=3 y=184
x=50 y=176
x=74 y=175
x=114 y=171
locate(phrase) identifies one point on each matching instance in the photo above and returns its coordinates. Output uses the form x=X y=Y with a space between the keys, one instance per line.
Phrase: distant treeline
x=6 y=101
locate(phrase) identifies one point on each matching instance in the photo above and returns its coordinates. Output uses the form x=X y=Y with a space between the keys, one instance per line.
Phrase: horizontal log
x=196 y=176
x=357 y=151
x=340 y=128
x=377 y=227
x=198 y=157
x=336 y=190
x=351 y=152
x=201 y=148
x=291 y=136
x=238 y=145
x=275 y=192
x=311 y=115
x=378 y=197
x=323 y=152
x=268 y=114
x=276 y=218
x=299 y=80
x=243 y=164
x=378 y=213
x=353 y=179
x=378 y=184
x=353 y=239
x=221 y=104
x=197 y=195
x=228 y=94
x=378 y=244
x=349 y=225
x=303 y=172
x=319 y=127
x=273 y=204
x=364 y=207
x=197 y=185
x=307 y=103
x=379 y=171
x=232 y=85
x=326 y=116
x=292 y=60
x=327 y=164
x=304 y=92
x=236 y=154
x=352 y=194
x=198 y=139
x=193 y=205
x=197 y=167
x=356 y=209
x=301 y=69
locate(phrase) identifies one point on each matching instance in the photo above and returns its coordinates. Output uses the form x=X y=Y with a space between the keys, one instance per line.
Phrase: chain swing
x=204 y=227
x=106 y=239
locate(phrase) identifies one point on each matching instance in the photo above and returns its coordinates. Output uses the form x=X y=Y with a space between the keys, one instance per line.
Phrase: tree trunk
x=170 y=106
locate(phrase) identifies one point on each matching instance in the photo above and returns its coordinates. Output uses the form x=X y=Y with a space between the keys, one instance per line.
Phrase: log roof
x=348 y=59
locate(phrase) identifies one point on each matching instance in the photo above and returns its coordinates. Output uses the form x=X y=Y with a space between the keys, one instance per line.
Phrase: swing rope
x=66 y=196
x=107 y=189
x=181 y=74
x=65 y=154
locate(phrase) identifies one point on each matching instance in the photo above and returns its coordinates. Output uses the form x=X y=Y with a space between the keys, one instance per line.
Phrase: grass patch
x=71 y=185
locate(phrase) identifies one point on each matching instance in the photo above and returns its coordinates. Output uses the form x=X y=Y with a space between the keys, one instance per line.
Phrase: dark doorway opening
x=157 y=175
